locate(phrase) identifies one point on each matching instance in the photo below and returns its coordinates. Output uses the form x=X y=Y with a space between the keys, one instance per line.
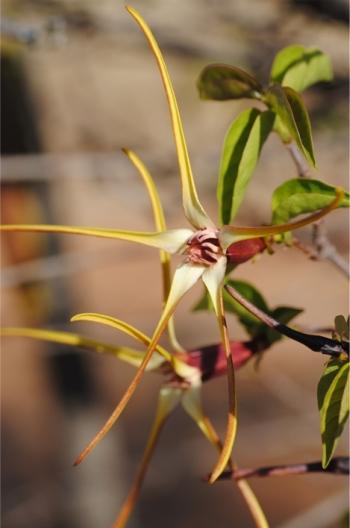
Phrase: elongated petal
x=231 y=427
x=253 y=504
x=184 y=278
x=171 y=241
x=231 y=234
x=159 y=220
x=168 y=399
x=213 y=279
x=127 y=354
x=179 y=366
x=123 y=327
x=157 y=208
x=191 y=402
x=193 y=209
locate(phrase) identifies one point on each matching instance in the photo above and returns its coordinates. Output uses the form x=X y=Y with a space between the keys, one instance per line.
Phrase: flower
x=174 y=392
x=206 y=249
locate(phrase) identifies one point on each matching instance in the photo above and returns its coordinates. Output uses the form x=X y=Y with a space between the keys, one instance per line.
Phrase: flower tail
x=159 y=220
x=184 y=278
x=193 y=208
x=213 y=279
x=231 y=234
x=168 y=399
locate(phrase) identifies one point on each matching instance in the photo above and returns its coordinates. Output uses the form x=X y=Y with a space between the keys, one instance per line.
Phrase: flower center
x=204 y=247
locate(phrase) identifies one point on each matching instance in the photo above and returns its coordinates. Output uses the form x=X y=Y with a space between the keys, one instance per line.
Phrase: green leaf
x=333 y=404
x=342 y=328
x=299 y=67
x=302 y=195
x=293 y=122
x=221 y=82
x=241 y=150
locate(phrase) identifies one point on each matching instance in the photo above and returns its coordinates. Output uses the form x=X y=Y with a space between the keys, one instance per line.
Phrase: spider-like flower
x=206 y=249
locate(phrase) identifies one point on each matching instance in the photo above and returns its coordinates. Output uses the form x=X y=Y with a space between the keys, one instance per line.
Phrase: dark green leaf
x=342 y=328
x=302 y=195
x=221 y=82
x=333 y=404
x=300 y=67
x=242 y=146
x=293 y=122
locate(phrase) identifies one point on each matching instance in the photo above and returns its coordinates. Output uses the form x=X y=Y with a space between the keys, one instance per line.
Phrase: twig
x=317 y=343
x=337 y=466
x=323 y=248
x=301 y=165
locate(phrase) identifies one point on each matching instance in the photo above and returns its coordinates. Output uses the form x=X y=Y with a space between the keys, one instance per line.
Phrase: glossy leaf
x=333 y=404
x=222 y=82
x=342 y=328
x=300 y=67
x=241 y=150
x=293 y=121
x=301 y=195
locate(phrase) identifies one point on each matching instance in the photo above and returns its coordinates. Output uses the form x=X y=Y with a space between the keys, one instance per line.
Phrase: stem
x=338 y=466
x=301 y=165
x=317 y=343
x=323 y=247
x=135 y=489
x=246 y=491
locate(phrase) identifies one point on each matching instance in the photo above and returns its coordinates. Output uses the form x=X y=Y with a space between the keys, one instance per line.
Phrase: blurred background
x=78 y=83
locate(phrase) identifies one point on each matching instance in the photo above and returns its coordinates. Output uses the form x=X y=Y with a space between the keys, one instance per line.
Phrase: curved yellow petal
x=253 y=504
x=230 y=234
x=123 y=327
x=193 y=208
x=171 y=241
x=159 y=220
x=184 y=278
x=168 y=399
x=231 y=427
x=158 y=213
x=243 y=486
x=127 y=354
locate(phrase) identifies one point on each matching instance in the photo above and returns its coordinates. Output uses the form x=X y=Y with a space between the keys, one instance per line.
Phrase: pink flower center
x=204 y=248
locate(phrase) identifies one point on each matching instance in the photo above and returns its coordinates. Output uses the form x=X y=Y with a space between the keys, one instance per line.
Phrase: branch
x=338 y=466
x=317 y=343
x=322 y=246
x=301 y=165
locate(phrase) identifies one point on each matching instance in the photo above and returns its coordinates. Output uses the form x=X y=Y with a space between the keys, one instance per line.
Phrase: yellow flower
x=204 y=256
